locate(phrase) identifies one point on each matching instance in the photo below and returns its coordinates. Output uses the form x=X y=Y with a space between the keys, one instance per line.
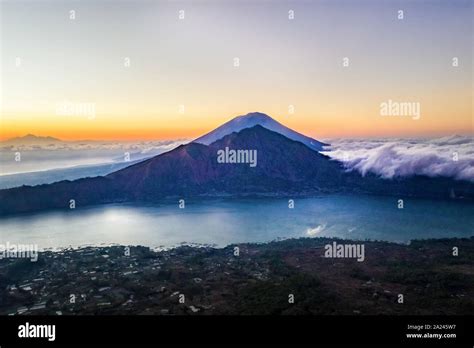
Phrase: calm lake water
x=222 y=222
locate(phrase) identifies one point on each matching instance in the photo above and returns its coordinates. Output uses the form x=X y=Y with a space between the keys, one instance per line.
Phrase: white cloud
x=316 y=230
x=140 y=146
x=41 y=157
x=391 y=158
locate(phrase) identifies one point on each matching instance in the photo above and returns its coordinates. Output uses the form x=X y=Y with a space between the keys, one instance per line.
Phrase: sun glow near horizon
x=150 y=75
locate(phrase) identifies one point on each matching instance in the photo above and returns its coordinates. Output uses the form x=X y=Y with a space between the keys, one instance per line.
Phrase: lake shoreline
x=229 y=221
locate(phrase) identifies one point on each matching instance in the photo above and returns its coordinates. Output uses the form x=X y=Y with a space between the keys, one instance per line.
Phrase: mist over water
x=223 y=222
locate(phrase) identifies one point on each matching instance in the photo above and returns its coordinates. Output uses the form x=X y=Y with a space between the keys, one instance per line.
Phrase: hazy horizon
x=150 y=75
x=135 y=140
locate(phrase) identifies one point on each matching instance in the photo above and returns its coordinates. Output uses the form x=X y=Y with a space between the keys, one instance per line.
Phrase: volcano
x=285 y=168
x=258 y=119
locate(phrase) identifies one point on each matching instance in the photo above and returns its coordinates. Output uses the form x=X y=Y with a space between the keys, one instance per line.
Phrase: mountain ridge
x=30 y=139
x=286 y=168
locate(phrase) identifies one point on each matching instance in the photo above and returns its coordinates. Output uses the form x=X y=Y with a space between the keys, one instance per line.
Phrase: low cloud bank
x=451 y=156
x=138 y=146
x=60 y=155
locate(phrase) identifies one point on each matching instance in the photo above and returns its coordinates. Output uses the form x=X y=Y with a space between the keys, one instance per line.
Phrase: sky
x=70 y=78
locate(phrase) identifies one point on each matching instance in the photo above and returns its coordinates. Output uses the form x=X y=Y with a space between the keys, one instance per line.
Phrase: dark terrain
x=258 y=281
x=285 y=167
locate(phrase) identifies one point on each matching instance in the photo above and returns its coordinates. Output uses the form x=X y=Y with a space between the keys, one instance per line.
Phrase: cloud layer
x=40 y=157
x=451 y=156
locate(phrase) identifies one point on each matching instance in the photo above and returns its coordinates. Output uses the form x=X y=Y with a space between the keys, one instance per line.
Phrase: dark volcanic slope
x=284 y=167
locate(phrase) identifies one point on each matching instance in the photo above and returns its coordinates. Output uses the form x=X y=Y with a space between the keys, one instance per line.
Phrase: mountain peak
x=253 y=119
x=255 y=114
x=31 y=139
x=32 y=136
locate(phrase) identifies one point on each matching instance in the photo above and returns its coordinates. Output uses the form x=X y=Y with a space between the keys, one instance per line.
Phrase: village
x=282 y=277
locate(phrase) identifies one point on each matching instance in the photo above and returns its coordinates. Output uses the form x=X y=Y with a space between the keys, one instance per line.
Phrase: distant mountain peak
x=31 y=139
x=253 y=119
x=32 y=136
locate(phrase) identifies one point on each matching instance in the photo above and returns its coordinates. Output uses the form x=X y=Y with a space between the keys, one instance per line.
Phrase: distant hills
x=285 y=168
x=31 y=139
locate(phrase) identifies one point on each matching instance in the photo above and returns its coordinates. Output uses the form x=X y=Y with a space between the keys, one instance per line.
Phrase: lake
x=223 y=222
